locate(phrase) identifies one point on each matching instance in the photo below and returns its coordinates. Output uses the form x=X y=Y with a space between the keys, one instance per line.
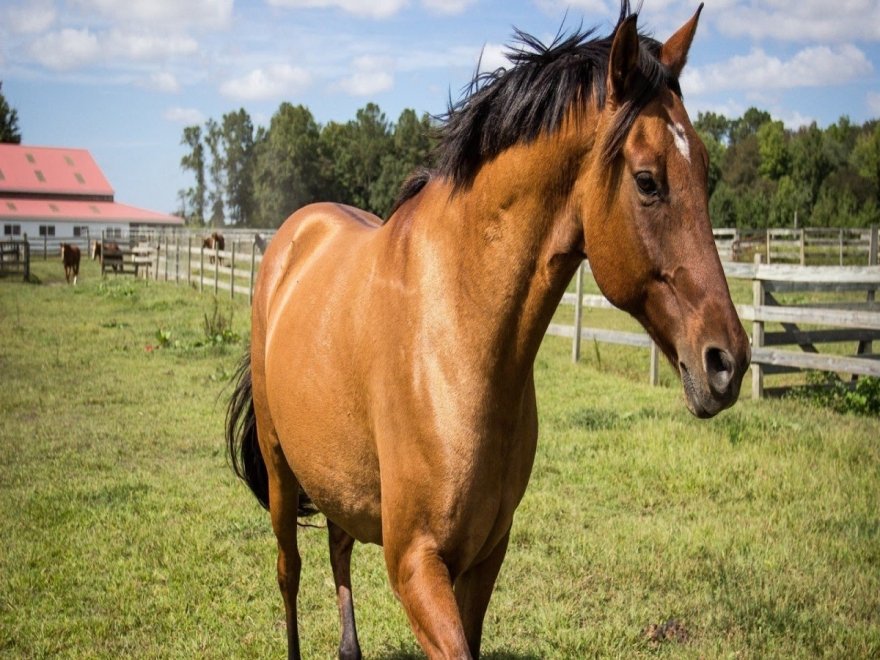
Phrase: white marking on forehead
x=681 y=141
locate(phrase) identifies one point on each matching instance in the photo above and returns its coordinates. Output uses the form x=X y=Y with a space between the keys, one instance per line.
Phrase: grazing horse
x=260 y=242
x=405 y=410
x=108 y=252
x=70 y=257
x=214 y=242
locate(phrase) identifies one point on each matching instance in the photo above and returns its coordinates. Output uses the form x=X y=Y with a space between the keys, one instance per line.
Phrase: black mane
x=504 y=107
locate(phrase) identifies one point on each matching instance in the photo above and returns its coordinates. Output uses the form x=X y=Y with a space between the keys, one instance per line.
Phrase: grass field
x=644 y=533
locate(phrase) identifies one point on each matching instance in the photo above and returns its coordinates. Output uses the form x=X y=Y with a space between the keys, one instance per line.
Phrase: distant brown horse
x=108 y=252
x=70 y=257
x=214 y=242
x=405 y=410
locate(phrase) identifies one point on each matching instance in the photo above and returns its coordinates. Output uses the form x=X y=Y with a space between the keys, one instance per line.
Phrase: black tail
x=242 y=444
x=241 y=434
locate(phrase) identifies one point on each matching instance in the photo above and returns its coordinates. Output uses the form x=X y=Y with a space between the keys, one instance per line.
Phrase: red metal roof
x=60 y=171
x=76 y=211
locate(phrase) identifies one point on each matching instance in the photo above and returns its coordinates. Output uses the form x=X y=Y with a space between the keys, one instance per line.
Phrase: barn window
x=79 y=177
x=31 y=158
x=11 y=206
x=69 y=160
x=2 y=178
x=40 y=176
x=80 y=230
x=54 y=207
x=12 y=230
x=47 y=230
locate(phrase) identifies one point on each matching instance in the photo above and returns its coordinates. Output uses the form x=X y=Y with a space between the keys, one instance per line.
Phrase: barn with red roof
x=62 y=193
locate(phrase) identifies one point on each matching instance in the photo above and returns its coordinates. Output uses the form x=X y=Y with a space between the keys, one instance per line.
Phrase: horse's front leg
x=473 y=589
x=422 y=582
x=340 y=559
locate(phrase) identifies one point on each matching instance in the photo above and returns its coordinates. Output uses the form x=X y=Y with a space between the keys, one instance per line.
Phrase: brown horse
x=405 y=411
x=108 y=252
x=70 y=257
x=214 y=242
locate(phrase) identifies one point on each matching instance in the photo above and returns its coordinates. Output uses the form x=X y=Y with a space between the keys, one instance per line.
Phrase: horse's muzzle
x=715 y=384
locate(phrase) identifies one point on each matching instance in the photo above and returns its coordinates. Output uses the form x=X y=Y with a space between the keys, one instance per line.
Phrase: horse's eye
x=647 y=185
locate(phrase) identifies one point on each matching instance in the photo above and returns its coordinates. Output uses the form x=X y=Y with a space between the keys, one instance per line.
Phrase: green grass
x=125 y=533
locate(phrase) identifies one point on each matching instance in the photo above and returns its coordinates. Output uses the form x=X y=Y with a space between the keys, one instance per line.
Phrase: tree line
x=764 y=175
x=249 y=177
x=761 y=174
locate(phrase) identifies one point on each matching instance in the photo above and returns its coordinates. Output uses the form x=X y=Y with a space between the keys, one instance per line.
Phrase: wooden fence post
x=769 y=246
x=189 y=258
x=757 y=332
x=803 y=247
x=216 y=268
x=655 y=364
x=578 y=312
x=176 y=258
x=166 y=257
x=202 y=269
x=253 y=263
x=232 y=274
x=872 y=247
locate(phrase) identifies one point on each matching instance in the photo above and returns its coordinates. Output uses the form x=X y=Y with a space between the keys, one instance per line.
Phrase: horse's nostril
x=719 y=369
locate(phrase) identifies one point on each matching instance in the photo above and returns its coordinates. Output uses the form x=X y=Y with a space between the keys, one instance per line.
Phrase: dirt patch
x=668 y=631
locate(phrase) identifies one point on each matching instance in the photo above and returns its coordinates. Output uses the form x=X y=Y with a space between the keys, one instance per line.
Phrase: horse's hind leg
x=283 y=506
x=340 y=559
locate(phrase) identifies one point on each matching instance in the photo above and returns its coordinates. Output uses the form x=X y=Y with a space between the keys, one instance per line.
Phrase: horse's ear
x=624 y=59
x=674 y=53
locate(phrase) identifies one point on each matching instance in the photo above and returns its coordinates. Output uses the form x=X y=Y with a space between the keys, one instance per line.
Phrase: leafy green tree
x=773 y=149
x=410 y=149
x=747 y=125
x=709 y=123
x=238 y=162
x=289 y=169
x=358 y=149
x=788 y=205
x=9 y=131
x=213 y=140
x=741 y=161
x=810 y=163
x=194 y=161
x=866 y=157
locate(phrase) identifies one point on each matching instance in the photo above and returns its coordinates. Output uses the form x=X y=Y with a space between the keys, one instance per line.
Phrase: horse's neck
x=507 y=247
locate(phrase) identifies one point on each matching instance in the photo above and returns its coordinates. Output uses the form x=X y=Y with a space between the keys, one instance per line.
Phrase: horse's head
x=648 y=235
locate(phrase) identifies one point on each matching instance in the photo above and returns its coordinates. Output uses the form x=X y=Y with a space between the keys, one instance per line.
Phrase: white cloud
x=447 y=6
x=30 y=19
x=146 y=46
x=187 y=116
x=367 y=8
x=810 y=67
x=274 y=82
x=164 y=81
x=69 y=49
x=372 y=75
x=66 y=49
x=171 y=13
x=493 y=57
x=804 y=20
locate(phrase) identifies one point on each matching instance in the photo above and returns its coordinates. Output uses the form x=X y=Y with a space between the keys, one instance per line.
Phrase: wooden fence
x=855 y=321
x=809 y=246
x=15 y=258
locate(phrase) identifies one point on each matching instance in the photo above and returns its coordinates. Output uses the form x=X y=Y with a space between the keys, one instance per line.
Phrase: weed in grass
x=827 y=389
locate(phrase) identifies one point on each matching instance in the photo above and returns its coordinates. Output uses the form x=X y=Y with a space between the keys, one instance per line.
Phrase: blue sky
x=123 y=77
